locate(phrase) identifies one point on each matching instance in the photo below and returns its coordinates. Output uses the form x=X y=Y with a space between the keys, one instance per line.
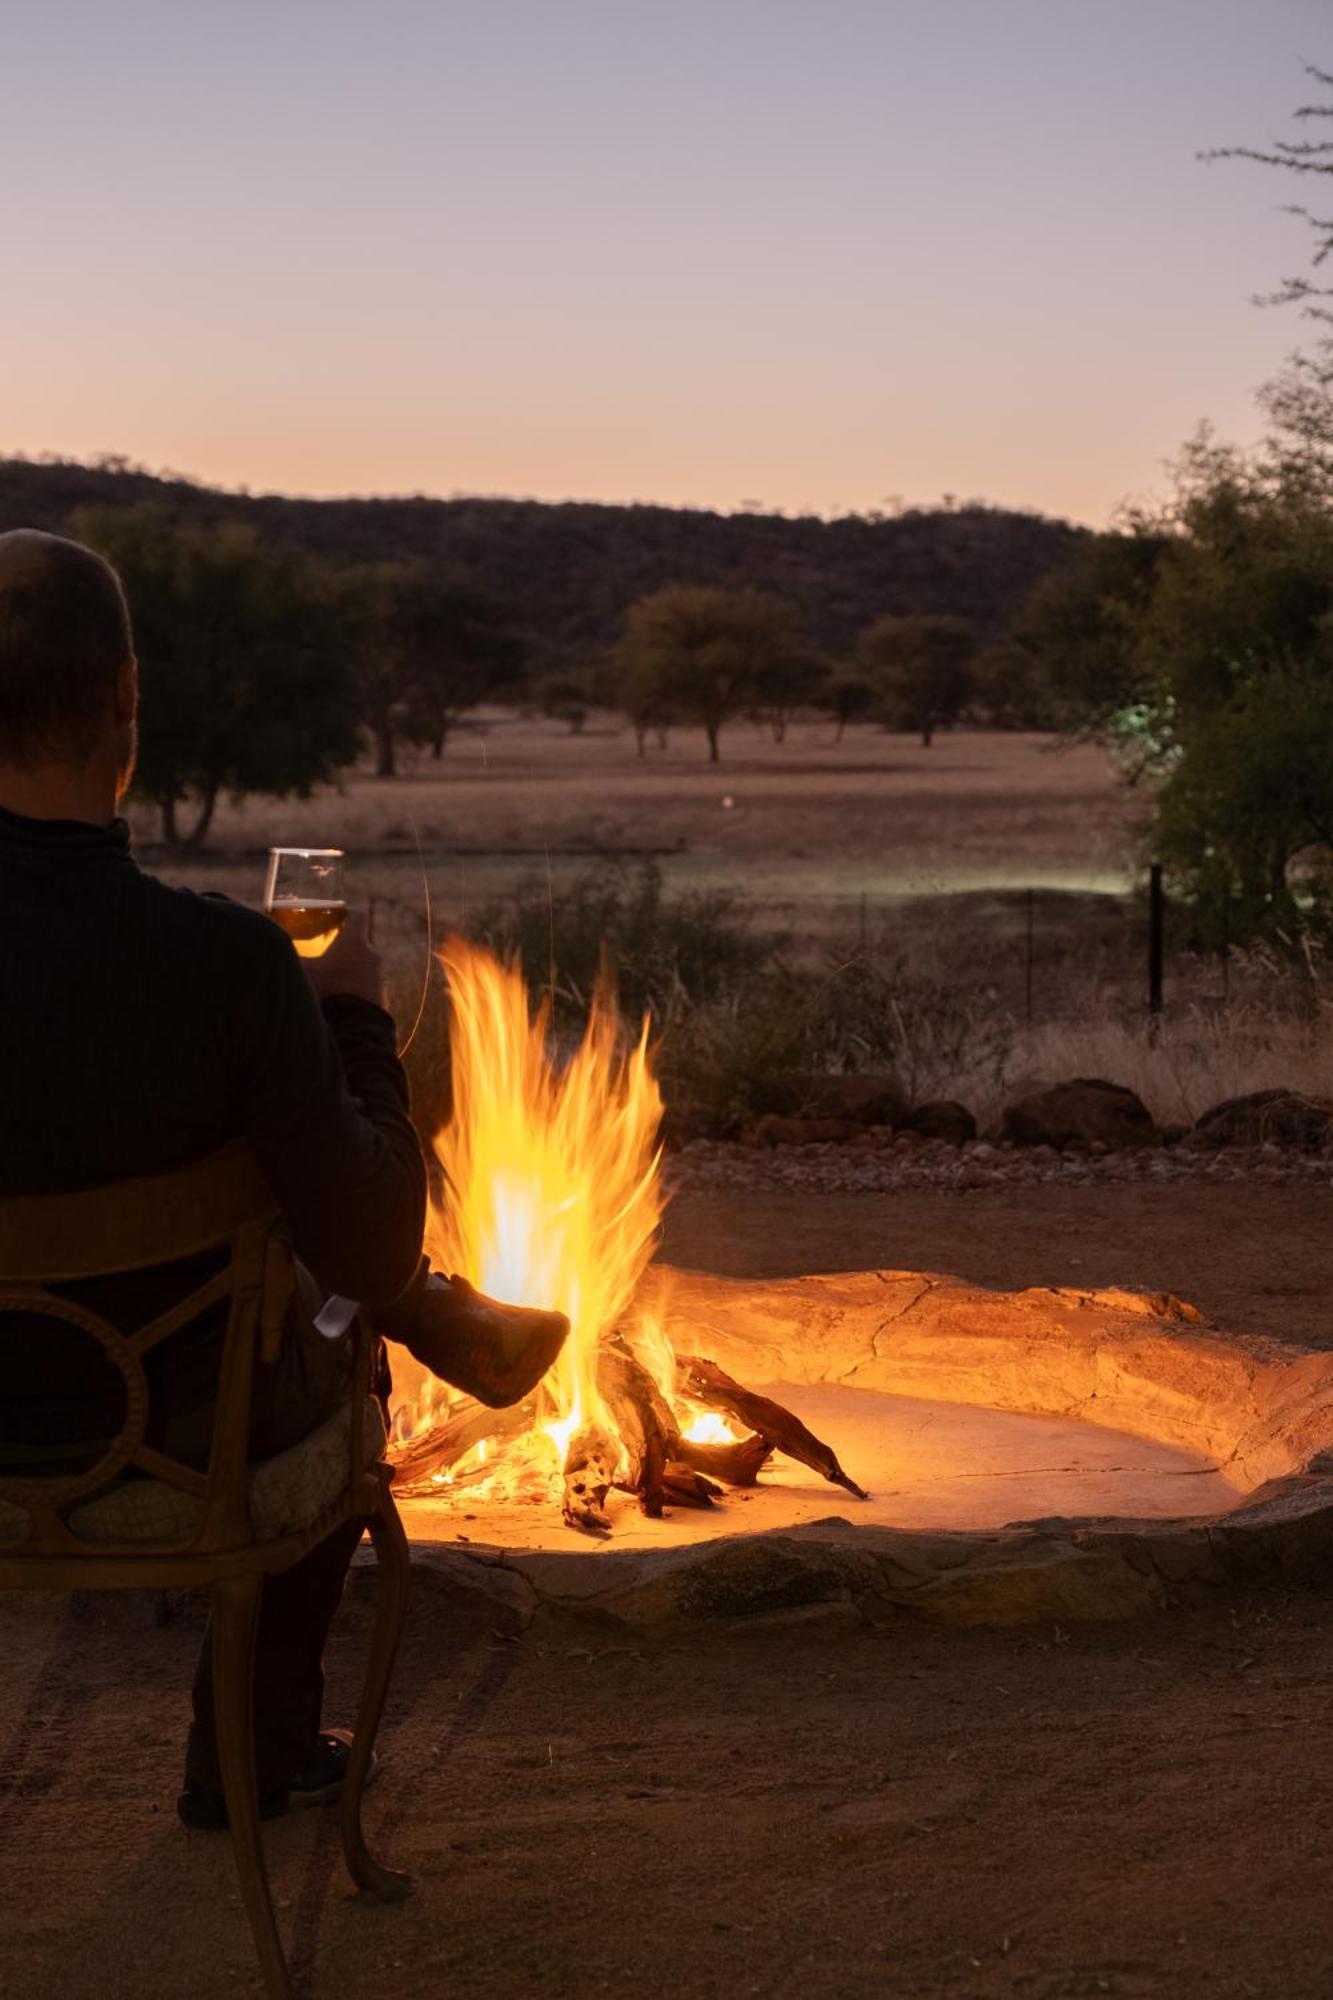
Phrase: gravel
x=866 y=1168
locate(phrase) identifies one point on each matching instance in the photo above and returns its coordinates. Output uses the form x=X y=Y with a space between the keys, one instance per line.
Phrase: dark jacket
x=142 y=1027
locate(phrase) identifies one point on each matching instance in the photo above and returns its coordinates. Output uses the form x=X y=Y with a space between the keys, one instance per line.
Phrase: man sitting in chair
x=144 y=1028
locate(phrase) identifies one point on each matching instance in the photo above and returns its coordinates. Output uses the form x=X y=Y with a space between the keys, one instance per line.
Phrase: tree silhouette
x=922 y=667
x=428 y=646
x=701 y=655
x=245 y=686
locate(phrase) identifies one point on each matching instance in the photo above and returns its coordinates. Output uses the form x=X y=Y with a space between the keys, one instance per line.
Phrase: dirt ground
x=787 y=1809
x=1256 y=1258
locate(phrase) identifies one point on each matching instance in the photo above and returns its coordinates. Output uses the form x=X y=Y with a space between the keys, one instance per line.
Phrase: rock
x=1078 y=1114
x=1276 y=1117
x=945 y=1120
x=775 y=1131
x=861 y=1100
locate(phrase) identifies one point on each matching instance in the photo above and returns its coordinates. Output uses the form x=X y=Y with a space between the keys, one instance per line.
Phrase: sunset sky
x=805 y=253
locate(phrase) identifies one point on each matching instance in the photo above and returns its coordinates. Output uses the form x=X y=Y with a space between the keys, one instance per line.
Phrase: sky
x=815 y=255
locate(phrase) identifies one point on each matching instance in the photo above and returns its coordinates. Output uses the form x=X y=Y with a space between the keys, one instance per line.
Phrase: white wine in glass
x=305 y=895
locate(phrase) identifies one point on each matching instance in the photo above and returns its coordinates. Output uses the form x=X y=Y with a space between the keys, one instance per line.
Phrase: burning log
x=468 y=1424
x=708 y=1384
x=643 y=1421
x=687 y=1487
x=738 y=1464
x=590 y=1473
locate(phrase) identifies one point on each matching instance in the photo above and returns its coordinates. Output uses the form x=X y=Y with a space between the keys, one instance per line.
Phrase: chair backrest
x=221 y=1204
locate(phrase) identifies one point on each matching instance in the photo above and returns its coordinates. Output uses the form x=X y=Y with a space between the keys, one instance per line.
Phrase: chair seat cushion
x=287 y=1492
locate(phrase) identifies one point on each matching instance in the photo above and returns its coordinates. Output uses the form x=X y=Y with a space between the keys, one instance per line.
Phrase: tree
x=245 y=685
x=1209 y=670
x=1245 y=816
x=366 y=596
x=701 y=655
x=1235 y=649
x=850 y=694
x=923 y=668
x=638 y=692
x=569 y=697
x=456 y=652
x=1012 y=690
x=428 y=646
x=786 y=679
x=1078 y=633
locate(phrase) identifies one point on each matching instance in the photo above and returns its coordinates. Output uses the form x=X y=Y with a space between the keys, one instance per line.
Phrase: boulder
x=1080 y=1115
x=945 y=1120
x=861 y=1100
x=1267 y=1117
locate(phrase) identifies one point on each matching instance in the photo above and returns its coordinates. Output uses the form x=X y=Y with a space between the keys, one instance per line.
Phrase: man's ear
x=125 y=702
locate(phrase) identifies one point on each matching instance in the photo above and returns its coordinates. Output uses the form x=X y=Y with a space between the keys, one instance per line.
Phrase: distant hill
x=565 y=573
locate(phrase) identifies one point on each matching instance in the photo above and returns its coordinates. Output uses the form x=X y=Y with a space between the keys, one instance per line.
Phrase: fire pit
x=830 y=1447
x=1039 y=1455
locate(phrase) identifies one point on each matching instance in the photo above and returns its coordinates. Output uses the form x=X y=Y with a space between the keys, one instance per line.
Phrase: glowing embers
x=553 y=1198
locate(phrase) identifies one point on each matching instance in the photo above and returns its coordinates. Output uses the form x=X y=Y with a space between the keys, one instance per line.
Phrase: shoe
x=319 y=1782
x=495 y=1352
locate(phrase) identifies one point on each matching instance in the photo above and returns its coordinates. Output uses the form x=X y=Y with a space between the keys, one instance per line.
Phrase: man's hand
x=350 y=965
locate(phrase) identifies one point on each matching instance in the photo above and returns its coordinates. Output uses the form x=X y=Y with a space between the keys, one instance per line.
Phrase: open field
x=803 y=830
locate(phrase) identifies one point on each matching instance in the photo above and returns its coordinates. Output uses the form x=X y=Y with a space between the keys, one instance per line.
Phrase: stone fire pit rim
x=1143 y=1362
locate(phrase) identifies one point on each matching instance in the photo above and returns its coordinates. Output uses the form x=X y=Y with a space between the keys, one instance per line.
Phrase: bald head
x=65 y=650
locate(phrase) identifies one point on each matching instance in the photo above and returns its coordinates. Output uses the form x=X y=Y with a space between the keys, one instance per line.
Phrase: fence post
x=1156 y=938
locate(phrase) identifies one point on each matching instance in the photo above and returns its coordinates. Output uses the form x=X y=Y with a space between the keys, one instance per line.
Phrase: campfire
x=553 y=1196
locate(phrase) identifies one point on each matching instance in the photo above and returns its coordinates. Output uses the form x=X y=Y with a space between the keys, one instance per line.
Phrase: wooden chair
x=224 y=1530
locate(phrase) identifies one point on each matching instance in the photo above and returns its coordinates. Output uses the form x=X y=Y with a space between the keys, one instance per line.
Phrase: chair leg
x=395 y=1570
x=235 y=1615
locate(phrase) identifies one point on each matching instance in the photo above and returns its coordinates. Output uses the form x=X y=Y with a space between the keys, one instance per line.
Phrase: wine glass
x=305 y=895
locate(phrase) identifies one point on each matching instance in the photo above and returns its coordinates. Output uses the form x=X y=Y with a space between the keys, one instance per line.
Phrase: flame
x=553 y=1194
x=709 y=1428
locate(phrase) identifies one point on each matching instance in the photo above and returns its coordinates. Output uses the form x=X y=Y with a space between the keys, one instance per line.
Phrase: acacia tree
x=849 y=694
x=702 y=655
x=427 y=646
x=244 y=685
x=922 y=666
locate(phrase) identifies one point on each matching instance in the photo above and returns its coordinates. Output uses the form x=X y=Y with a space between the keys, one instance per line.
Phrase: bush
x=861 y=1012
x=667 y=953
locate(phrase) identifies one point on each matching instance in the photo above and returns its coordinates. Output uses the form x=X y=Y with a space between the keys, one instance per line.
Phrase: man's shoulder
x=212 y=921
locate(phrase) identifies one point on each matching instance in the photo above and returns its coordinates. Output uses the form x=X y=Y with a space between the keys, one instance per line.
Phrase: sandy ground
x=1136 y=1810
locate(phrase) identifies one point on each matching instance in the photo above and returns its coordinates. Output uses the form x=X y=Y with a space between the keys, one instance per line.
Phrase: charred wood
x=643 y=1421
x=590 y=1471
x=468 y=1424
x=738 y=1464
x=710 y=1385
x=688 y=1488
